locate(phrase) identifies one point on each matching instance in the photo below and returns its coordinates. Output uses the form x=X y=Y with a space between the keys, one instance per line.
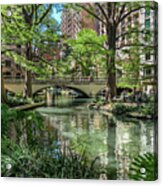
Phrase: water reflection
x=116 y=140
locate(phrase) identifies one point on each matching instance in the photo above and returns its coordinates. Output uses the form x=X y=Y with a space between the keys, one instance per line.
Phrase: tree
x=111 y=15
x=87 y=50
x=25 y=26
x=3 y=91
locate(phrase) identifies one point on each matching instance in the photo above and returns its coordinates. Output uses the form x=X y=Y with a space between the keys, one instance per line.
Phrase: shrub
x=16 y=101
x=120 y=108
x=25 y=123
x=150 y=109
x=99 y=100
x=22 y=161
x=7 y=116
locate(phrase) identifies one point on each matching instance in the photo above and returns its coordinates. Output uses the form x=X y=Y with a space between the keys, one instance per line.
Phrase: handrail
x=66 y=79
x=57 y=80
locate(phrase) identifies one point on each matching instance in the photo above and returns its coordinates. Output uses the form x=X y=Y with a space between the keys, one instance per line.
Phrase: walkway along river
x=115 y=140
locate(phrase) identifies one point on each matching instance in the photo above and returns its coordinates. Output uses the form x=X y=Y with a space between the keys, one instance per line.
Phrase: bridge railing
x=59 y=80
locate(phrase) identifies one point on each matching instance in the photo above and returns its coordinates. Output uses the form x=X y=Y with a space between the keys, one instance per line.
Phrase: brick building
x=9 y=68
x=73 y=21
x=143 y=20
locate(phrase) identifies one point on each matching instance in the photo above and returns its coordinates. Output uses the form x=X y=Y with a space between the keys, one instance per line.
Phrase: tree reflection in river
x=116 y=140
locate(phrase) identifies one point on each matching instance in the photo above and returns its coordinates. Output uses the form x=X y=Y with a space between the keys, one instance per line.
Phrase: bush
x=29 y=124
x=7 y=116
x=22 y=161
x=150 y=109
x=120 y=108
x=99 y=100
x=17 y=100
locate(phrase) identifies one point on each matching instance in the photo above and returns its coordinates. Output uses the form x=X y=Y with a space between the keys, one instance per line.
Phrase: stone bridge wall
x=89 y=88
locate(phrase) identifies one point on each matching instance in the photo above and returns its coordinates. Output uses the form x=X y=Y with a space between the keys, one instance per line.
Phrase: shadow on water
x=115 y=140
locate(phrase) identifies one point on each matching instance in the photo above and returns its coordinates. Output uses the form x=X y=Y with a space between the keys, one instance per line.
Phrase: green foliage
x=34 y=154
x=131 y=66
x=25 y=162
x=99 y=100
x=87 y=50
x=27 y=64
x=30 y=25
x=7 y=116
x=24 y=123
x=120 y=108
x=144 y=167
x=17 y=100
x=150 y=109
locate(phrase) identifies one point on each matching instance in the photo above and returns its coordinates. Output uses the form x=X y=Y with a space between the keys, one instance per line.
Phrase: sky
x=57 y=12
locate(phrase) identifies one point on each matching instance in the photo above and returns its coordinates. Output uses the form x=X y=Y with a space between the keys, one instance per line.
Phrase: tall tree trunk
x=110 y=63
x=28 y=75
x=28 y=85
x=3 y=91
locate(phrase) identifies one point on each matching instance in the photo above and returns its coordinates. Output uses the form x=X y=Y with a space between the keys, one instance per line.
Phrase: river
x=116 y=140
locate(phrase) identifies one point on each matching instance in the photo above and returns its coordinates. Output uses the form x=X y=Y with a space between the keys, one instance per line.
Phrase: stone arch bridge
x=85 y=86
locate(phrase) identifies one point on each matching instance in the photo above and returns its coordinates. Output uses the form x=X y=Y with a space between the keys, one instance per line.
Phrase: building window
x=147 y=23
x=18 y=67
x=123 y=39
x=18 y=75
x=129 y=19
x=8 y=63
x=136 y=19
x=148 y=56
x=7 y=74
x=147 y=37
x=148 y=72
x=147 y=12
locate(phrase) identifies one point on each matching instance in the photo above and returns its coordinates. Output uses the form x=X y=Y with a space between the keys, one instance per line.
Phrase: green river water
x=116 y=140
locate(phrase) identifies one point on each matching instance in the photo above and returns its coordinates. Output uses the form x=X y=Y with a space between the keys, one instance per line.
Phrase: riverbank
x=28 y=106
x=133 y=110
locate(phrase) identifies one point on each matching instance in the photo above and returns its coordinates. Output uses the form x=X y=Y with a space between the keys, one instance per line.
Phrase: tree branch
x=130 y=12
x=44 y=15
x=45 y=61
x=128 y=33
x=102 y=11
x=138 y=45
x=114 y=11
x=36 y=7
x=32 y=11
x=121 y=12
x=92 y=13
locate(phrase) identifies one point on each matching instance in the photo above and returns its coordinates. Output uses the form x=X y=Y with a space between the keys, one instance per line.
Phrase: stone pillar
x=50 y=97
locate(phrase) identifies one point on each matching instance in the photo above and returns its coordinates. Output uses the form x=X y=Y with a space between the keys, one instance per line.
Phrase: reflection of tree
x=132 y=139
x=146 y=137
x=115 y=141
x=91 y=122
x=111 y=143
x=127 y=144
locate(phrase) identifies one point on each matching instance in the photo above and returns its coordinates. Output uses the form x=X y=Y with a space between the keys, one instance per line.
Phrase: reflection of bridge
x=86 y=86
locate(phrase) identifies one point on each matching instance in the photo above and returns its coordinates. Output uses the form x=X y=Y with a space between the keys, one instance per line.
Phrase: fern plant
x=144 y=167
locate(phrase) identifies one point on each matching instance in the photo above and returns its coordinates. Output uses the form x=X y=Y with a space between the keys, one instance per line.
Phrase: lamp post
x=92 y=68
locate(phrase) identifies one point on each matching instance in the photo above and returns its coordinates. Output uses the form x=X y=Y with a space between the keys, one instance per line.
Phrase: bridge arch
x=78 y=90
x=87 y=88
x=10 y=91
x=119 y=91
x=59 y=86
